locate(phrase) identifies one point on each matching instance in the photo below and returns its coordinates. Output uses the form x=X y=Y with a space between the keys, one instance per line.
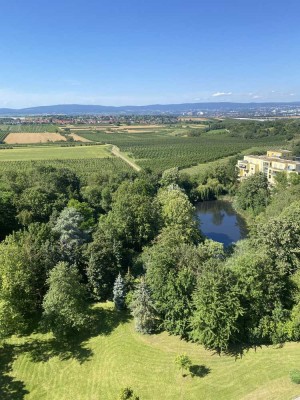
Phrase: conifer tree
x=143 y=310
x=119 y=293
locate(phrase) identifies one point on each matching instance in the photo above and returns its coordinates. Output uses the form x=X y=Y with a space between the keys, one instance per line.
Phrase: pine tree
x=119 y=293
x=143 y=310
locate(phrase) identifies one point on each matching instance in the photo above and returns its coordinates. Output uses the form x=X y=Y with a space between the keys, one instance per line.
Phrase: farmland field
x=97 y=367
x=53 y=153
x=83 y=160
x=162 y=150
x=36 y=137
x=153 y=146
x=30 y=128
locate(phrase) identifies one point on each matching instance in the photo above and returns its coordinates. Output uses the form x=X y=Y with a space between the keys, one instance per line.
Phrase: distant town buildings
x=270 y=164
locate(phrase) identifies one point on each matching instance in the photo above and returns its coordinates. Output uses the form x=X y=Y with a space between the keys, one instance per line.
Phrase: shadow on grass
x=199 y=370
x=105 y=321
x=74 y=346
x=239 y=350
x=10 y=388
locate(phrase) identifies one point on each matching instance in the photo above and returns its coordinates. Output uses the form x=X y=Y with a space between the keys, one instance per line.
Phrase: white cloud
x=217 y=94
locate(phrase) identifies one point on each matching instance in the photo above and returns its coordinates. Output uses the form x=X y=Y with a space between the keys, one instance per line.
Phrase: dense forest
x=133 y=238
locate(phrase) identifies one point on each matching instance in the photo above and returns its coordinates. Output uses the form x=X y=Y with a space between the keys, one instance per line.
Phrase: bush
x=127 y=394
x=295 y=376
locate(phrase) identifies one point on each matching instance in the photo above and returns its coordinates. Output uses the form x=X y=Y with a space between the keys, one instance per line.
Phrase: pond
x=219 y=221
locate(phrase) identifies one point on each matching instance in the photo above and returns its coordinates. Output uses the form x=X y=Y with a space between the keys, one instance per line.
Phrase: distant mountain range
x=77 y=109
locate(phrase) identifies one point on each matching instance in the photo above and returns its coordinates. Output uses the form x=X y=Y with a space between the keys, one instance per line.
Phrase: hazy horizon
x=154 y=104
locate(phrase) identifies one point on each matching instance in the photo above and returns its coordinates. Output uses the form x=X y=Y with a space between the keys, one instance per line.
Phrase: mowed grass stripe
x=121 y=357
x=54 y=153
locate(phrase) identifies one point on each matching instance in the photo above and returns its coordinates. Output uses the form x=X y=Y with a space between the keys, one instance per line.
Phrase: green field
x=83 y=160
x=38 y=367
x=157 y=148
x=208 y=166
x=82 y=167
x=53 y=153
x=30 y=128
x=160 y=150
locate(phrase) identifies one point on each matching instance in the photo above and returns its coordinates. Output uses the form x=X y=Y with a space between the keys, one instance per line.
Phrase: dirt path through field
x=116 y=152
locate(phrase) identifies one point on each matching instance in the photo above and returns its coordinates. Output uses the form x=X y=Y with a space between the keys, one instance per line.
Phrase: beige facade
x=270 y=165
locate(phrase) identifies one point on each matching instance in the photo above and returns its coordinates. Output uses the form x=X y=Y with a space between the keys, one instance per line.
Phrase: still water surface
x=219 y=221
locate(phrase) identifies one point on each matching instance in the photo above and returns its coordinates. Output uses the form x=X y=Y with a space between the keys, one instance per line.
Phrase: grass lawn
x=53 y=153
x=96 y=367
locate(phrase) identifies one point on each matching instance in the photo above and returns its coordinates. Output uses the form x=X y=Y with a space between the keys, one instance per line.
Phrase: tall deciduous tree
x=178 y=213
x=65 y=304
x=172 y=267
x=18 y=297
x=253 y=193
x=134 y=213
x=104 y=262
x=264 y=288
x=8 y=212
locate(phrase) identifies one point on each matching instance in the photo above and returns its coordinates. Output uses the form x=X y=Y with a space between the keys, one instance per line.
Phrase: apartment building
x=270 y=164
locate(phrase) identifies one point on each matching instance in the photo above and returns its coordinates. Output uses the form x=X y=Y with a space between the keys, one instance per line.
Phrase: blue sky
x=122 y=52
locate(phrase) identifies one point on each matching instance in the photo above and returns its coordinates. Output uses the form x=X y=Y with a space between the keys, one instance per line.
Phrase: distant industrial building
x=270 y=165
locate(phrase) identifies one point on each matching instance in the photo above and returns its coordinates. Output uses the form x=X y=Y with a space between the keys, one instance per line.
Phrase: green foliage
x=170 y=177
x=35 y=204
x=253 y=193
x=134 y=214
x=3 y=135
x=8 y=212
x=295 y=376
x=104 y=257
x=171 y=281
x=172 y=268
x=18 y=297
x=65 y=304
x=127 y=394
x=265 y=293
x=183 y=362
x=71 y=237
x=178 y=213
x=217 y=308
x=210 y=190
x=85 y=211
x=143 y=309
x=119 y=293
x=82 y=167
x=281 y=237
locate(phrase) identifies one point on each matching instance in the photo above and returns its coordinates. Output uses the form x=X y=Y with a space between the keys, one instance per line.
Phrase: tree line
x=133 y=238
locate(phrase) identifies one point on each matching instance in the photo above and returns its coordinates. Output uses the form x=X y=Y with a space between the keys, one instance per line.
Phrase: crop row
x=3 y=135
x=30 y=128
x=82 y=167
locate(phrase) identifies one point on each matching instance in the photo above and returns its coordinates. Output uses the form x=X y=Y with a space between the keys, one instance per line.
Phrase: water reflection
x=219 y=221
